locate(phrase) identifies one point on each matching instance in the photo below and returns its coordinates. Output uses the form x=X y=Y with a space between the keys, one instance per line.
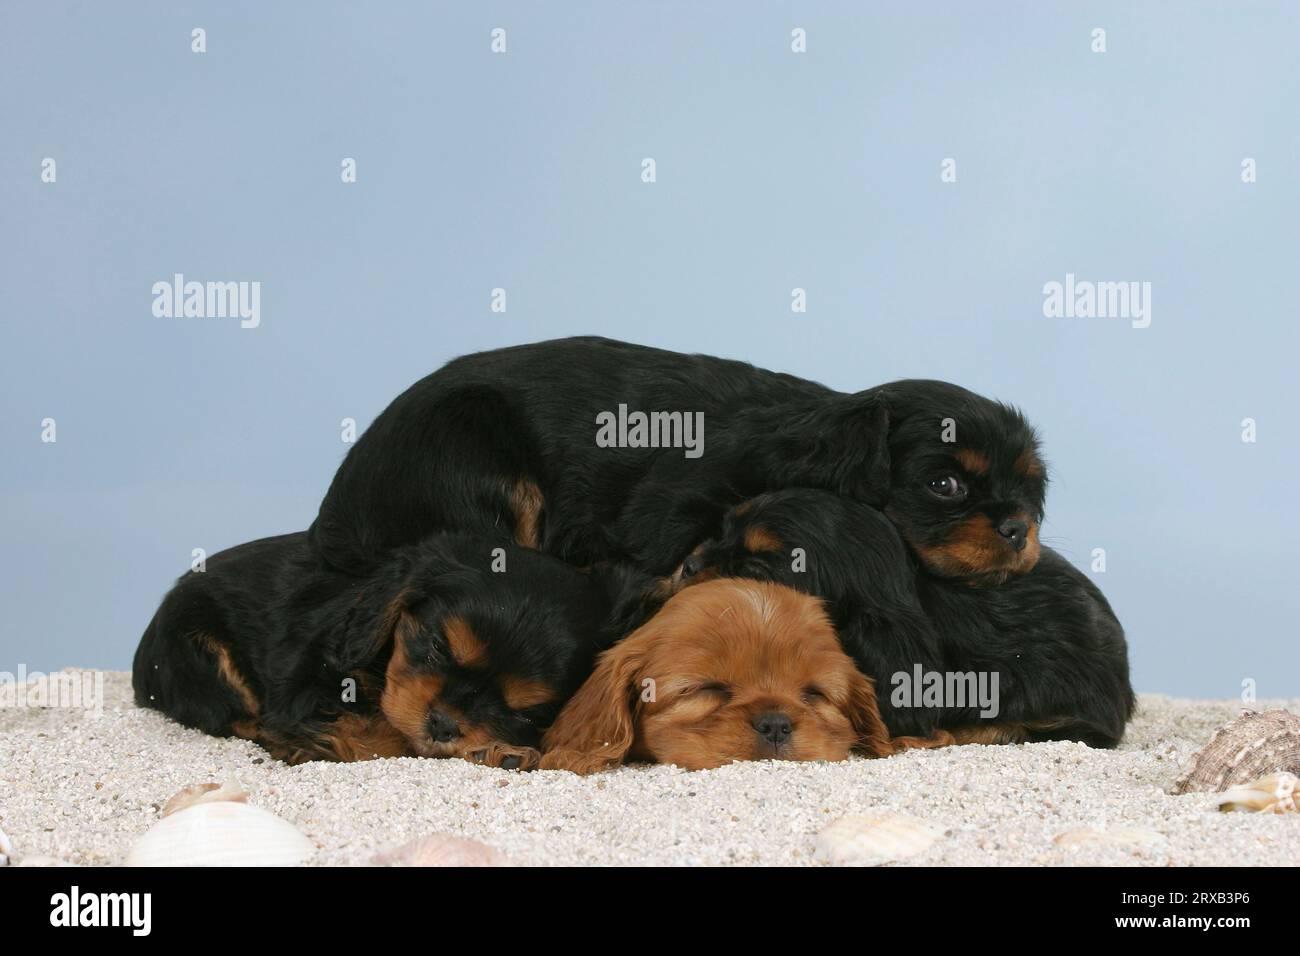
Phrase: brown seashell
x=204 y=793
x=443 y=849
x=1254 y=745
x=1276 y=793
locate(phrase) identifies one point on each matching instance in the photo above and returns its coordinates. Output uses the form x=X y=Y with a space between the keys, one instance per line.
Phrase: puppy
x=514 y=439
x=726 y=671
x=1048 y=634
x=458 y=646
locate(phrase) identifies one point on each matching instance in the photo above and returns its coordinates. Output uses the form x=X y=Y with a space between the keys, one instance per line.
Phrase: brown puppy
x=728 y=670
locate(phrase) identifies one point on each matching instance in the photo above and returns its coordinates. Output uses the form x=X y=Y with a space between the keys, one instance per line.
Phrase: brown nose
x=774 y=727
x=1015 y=531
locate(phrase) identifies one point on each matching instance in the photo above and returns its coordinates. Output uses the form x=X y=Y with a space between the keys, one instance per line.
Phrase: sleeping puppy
x=545 y=439
x=726 y=671
x=459 y=646
x=1049 y=635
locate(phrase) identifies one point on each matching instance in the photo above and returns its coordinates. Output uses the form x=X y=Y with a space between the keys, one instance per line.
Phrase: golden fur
x=688 y=686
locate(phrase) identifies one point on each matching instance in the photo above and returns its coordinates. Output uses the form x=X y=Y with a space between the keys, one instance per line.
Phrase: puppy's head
x=811 y=540
x=479 y=659
x=967 y=482
x=729 y=670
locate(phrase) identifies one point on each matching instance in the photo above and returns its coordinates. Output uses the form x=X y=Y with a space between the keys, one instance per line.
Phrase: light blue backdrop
x=775 y=170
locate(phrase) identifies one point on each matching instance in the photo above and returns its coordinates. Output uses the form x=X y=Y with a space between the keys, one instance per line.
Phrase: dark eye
x=947 y=487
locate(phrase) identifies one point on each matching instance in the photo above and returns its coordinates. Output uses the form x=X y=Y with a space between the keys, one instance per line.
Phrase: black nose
x=442 y=728
x=773 y=727
x=1015 y=531
x=692 y=565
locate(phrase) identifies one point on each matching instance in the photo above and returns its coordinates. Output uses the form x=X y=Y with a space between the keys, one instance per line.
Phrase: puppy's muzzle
x=773 y=728
x=1015 y=532
x=442 y=728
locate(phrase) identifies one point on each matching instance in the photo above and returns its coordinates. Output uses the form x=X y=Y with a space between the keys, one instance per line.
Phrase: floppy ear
x=596 y=728
x=864 y=714
x=842 y=447
x=367 y=636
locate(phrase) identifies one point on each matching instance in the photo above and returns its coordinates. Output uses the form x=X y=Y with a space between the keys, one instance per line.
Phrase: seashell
x=1276 y=793
x=1112 y=836
x=220 y=833
x=871 y=841
x=6 y=849
x=1254 y=745
x=442 y=849
x=204 y=793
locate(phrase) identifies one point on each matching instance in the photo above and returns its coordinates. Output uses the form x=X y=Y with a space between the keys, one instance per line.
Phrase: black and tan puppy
x=545 y=439
x=1049 y=634
x=458 y=646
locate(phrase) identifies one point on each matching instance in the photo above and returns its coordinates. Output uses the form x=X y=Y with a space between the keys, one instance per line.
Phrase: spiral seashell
x=1276 y=793
x=1256 y=744
x=204 y=793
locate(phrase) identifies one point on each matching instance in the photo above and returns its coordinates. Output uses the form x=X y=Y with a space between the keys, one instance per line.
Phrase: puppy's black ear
x=842 y=446
x=367 y=636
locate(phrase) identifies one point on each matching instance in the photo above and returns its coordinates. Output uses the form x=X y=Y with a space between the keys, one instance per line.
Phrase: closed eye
x=813 y=693
x=717 y=689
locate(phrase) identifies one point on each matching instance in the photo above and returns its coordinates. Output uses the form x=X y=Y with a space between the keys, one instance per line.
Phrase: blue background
x=775 y=170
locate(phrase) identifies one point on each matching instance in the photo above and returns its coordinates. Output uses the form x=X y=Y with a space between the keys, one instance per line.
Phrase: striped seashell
x=874 y=840
x=1256 y=744
x=443 y=849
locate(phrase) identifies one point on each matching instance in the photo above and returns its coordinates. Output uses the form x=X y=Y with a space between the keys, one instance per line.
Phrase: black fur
x=449 y=450
x=1049 y=633
x=294 y=631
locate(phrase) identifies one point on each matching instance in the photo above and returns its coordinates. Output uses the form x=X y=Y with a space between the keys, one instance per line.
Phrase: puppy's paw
x=505 y=756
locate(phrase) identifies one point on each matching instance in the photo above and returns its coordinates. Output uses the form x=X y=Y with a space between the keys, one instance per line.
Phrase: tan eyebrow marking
x=973 y=461
x=466 y=649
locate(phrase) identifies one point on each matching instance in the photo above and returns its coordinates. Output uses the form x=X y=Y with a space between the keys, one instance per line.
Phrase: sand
x=80 y=787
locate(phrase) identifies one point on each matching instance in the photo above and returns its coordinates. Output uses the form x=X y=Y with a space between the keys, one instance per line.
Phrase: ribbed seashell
x=1254 y=745
x=1276 y=793
x=874 y=840
x=443 y=849
x=1110 y=836
x=220 y=833
x=6 y=849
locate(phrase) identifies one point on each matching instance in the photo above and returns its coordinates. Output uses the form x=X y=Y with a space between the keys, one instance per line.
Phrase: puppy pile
x=498 y=574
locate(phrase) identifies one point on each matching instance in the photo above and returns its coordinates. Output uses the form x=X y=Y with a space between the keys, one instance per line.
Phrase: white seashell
x=871 y=841
x=1276 y=793
x=442 y=849
x=204 y=793
x=221 y=833
x=6 y=849
x=1112 y=836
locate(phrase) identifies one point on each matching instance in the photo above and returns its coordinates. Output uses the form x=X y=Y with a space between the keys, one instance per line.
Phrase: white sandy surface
x=80 y=787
